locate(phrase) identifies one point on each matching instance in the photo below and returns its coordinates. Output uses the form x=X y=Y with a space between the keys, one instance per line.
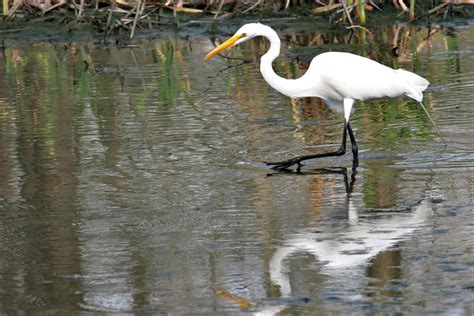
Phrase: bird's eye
x=244 y=34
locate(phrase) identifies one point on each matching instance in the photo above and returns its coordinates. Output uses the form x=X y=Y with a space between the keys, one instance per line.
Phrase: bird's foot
x=284 y=165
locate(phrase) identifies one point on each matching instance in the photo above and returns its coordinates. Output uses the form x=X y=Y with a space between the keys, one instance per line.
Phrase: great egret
x=338 y=78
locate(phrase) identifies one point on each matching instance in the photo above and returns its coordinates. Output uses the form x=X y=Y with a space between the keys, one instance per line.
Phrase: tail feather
x=418 y=81
x=415 y=84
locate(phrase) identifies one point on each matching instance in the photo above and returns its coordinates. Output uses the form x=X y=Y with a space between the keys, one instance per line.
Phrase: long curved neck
x=282 y=85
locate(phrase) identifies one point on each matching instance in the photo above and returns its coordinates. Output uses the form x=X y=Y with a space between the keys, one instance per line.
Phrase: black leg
x=355 y=148
x=350 y=184
x=282 y=165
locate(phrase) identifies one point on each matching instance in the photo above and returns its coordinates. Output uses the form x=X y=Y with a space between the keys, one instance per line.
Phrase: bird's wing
x=344 y=75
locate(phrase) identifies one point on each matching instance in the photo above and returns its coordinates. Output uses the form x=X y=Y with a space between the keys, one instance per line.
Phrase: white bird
x=338 y=78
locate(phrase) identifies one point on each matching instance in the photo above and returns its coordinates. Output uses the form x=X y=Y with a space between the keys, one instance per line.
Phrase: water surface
x=133 y=181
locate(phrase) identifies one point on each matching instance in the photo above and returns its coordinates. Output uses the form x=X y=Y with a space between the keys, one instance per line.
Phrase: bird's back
x=338 y=75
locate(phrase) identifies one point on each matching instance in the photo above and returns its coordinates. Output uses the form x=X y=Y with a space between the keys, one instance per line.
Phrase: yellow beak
x=231 y=41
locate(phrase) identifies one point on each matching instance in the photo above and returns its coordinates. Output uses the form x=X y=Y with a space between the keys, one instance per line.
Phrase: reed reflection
x=42 y=167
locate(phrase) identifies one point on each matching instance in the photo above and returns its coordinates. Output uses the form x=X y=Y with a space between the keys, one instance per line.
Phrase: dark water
x=137 y=185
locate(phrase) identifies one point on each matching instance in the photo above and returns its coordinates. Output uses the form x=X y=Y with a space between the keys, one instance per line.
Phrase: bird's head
x=246 y=32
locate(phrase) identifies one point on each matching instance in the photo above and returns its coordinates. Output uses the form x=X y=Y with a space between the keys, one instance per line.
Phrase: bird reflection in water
x=345 y=253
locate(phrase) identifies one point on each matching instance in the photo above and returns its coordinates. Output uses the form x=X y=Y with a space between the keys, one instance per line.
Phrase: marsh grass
x=112 y=15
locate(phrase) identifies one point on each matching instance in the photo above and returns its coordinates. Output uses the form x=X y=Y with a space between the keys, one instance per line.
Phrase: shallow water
x=137 y=184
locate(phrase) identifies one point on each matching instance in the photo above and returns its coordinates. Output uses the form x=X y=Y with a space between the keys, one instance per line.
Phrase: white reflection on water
x=346 y=252
x=112 y=302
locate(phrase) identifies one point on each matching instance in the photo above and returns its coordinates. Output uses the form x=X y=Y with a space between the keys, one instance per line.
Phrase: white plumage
x=335 y=76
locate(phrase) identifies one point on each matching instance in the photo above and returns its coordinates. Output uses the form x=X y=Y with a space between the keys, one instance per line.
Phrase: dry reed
x=109 y=15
